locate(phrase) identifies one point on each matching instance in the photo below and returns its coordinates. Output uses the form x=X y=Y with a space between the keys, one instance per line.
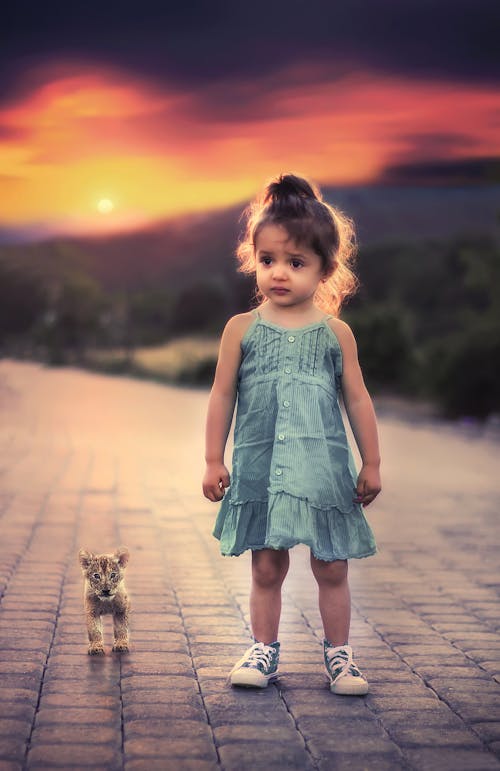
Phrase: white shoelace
x=260 y=654
x=336 y=660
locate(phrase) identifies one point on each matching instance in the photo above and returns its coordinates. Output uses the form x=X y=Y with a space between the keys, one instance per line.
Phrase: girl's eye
x=265 y=260
x=96 y=575
x=297 y=264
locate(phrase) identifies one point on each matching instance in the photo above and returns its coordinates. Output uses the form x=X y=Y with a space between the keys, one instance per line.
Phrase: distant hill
x=195 y=247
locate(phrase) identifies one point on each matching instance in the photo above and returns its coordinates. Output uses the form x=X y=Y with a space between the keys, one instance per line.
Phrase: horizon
x=406 y=209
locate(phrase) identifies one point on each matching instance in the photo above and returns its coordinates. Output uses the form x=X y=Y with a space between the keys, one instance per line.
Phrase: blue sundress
x=293 y=475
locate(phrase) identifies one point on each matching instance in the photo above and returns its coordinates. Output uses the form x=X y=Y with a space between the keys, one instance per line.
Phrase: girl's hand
x=368 y=486
x=215 y=481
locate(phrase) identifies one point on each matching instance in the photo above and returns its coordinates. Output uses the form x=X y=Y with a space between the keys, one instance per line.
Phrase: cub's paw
x=96 y=649
x=121 y=646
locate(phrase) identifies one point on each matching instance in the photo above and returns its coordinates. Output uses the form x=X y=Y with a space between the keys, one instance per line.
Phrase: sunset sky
x=112 y=116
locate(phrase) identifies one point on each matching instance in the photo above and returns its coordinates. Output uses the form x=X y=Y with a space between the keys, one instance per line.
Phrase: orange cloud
x=93 y=133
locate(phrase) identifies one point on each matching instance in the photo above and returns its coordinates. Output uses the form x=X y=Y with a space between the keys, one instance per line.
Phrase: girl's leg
x=334 y=599
x=269 y=568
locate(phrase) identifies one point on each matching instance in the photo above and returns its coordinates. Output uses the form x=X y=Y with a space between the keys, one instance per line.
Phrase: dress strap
x=256 y=313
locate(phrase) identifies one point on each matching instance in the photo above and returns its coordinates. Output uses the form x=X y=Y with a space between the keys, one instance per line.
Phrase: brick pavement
x=96 y=461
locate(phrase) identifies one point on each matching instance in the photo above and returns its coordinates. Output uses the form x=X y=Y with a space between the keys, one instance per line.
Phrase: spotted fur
x=105 y=593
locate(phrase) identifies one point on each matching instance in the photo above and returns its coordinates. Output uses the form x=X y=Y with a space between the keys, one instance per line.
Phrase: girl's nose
x=279 y=271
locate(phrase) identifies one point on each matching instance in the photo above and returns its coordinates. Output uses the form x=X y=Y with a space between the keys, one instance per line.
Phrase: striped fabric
x=293 y=476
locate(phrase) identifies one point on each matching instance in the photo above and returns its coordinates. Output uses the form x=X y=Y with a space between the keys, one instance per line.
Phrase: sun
x=105 y=206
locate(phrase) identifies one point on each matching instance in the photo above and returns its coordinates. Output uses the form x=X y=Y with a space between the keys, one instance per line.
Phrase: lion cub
x=104 y=593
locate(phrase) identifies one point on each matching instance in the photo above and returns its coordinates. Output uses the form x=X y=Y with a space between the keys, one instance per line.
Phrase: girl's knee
x=331 y=573
x=269 y=567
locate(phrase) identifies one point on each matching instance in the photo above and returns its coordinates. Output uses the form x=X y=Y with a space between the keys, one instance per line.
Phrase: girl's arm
x=361 y=414
x=221 y=407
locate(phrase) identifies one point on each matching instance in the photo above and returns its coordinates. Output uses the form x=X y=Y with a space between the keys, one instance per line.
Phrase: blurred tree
x=463 y=371
x=22 y=301
x=150 y=315
x=463 y=366
x=202 y=308
x=384 y=337
x=73 y=320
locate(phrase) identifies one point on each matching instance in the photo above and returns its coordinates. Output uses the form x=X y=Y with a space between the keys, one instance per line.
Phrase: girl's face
x=287 y=274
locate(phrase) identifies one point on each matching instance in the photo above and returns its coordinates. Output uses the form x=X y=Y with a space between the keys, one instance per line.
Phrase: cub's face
x=104 y=572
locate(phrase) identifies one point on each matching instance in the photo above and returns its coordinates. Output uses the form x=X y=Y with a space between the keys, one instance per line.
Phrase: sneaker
x=258 y=667
x=345 y=677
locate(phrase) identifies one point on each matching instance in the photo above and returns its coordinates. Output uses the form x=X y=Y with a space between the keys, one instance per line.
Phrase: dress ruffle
x=283 y=521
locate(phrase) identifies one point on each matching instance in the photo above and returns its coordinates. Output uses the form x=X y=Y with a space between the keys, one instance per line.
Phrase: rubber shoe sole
x=249 y=677
x=349 y=686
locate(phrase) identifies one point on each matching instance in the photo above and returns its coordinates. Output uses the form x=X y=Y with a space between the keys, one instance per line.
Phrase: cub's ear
x=85 y=558
x=122 y=555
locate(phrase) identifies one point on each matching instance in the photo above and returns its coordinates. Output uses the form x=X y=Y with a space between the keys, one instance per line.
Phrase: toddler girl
x=293 y=477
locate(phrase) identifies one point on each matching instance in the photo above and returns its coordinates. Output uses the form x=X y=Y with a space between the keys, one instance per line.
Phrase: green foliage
x=201 y=307
x=150 y=313
x=384 y=336
x=22 y=301
x=428 y=321
x=463 y=371
x=72 y=321
x=427 y=318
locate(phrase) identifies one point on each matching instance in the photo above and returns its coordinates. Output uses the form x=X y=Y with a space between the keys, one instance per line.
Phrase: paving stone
x=59 y=733
x=171 y=764
x=484 y=654
x=386 y=702
x=22 y=682
x=16 y=711
x=12 y=747
x=169 y=664
x=488 y=731
x=424 y=735
x=432 y=673
x=326 y=705
x=256 y=756
x=15 y=727
x=11 y=765
x=284 y=733
x=68 y=755
x=159 y=682
x=389 y=675
x=430 y=759
x=17 y=696
x=70 y=698
x=411 y=714
x=226 y=712
x=140 y=698
x=301 y=681
x=362 y=762
x=171 y=748
x=33 y=656
x=331 y=741
x=213 y=678
x=173 y=726
x=145 y=645
x=208 y=612
x=366 y=726
x=75 y=715
x=165 y=711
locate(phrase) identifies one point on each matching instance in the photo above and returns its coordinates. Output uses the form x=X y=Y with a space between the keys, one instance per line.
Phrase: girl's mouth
x=279 y=290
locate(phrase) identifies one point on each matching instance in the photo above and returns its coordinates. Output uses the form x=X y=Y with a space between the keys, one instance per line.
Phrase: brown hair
x=298 y=206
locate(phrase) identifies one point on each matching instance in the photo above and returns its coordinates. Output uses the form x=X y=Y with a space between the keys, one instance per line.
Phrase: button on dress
x=293 y=475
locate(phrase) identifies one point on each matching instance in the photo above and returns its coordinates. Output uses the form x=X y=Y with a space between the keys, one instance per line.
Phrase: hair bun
x=289 y=189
